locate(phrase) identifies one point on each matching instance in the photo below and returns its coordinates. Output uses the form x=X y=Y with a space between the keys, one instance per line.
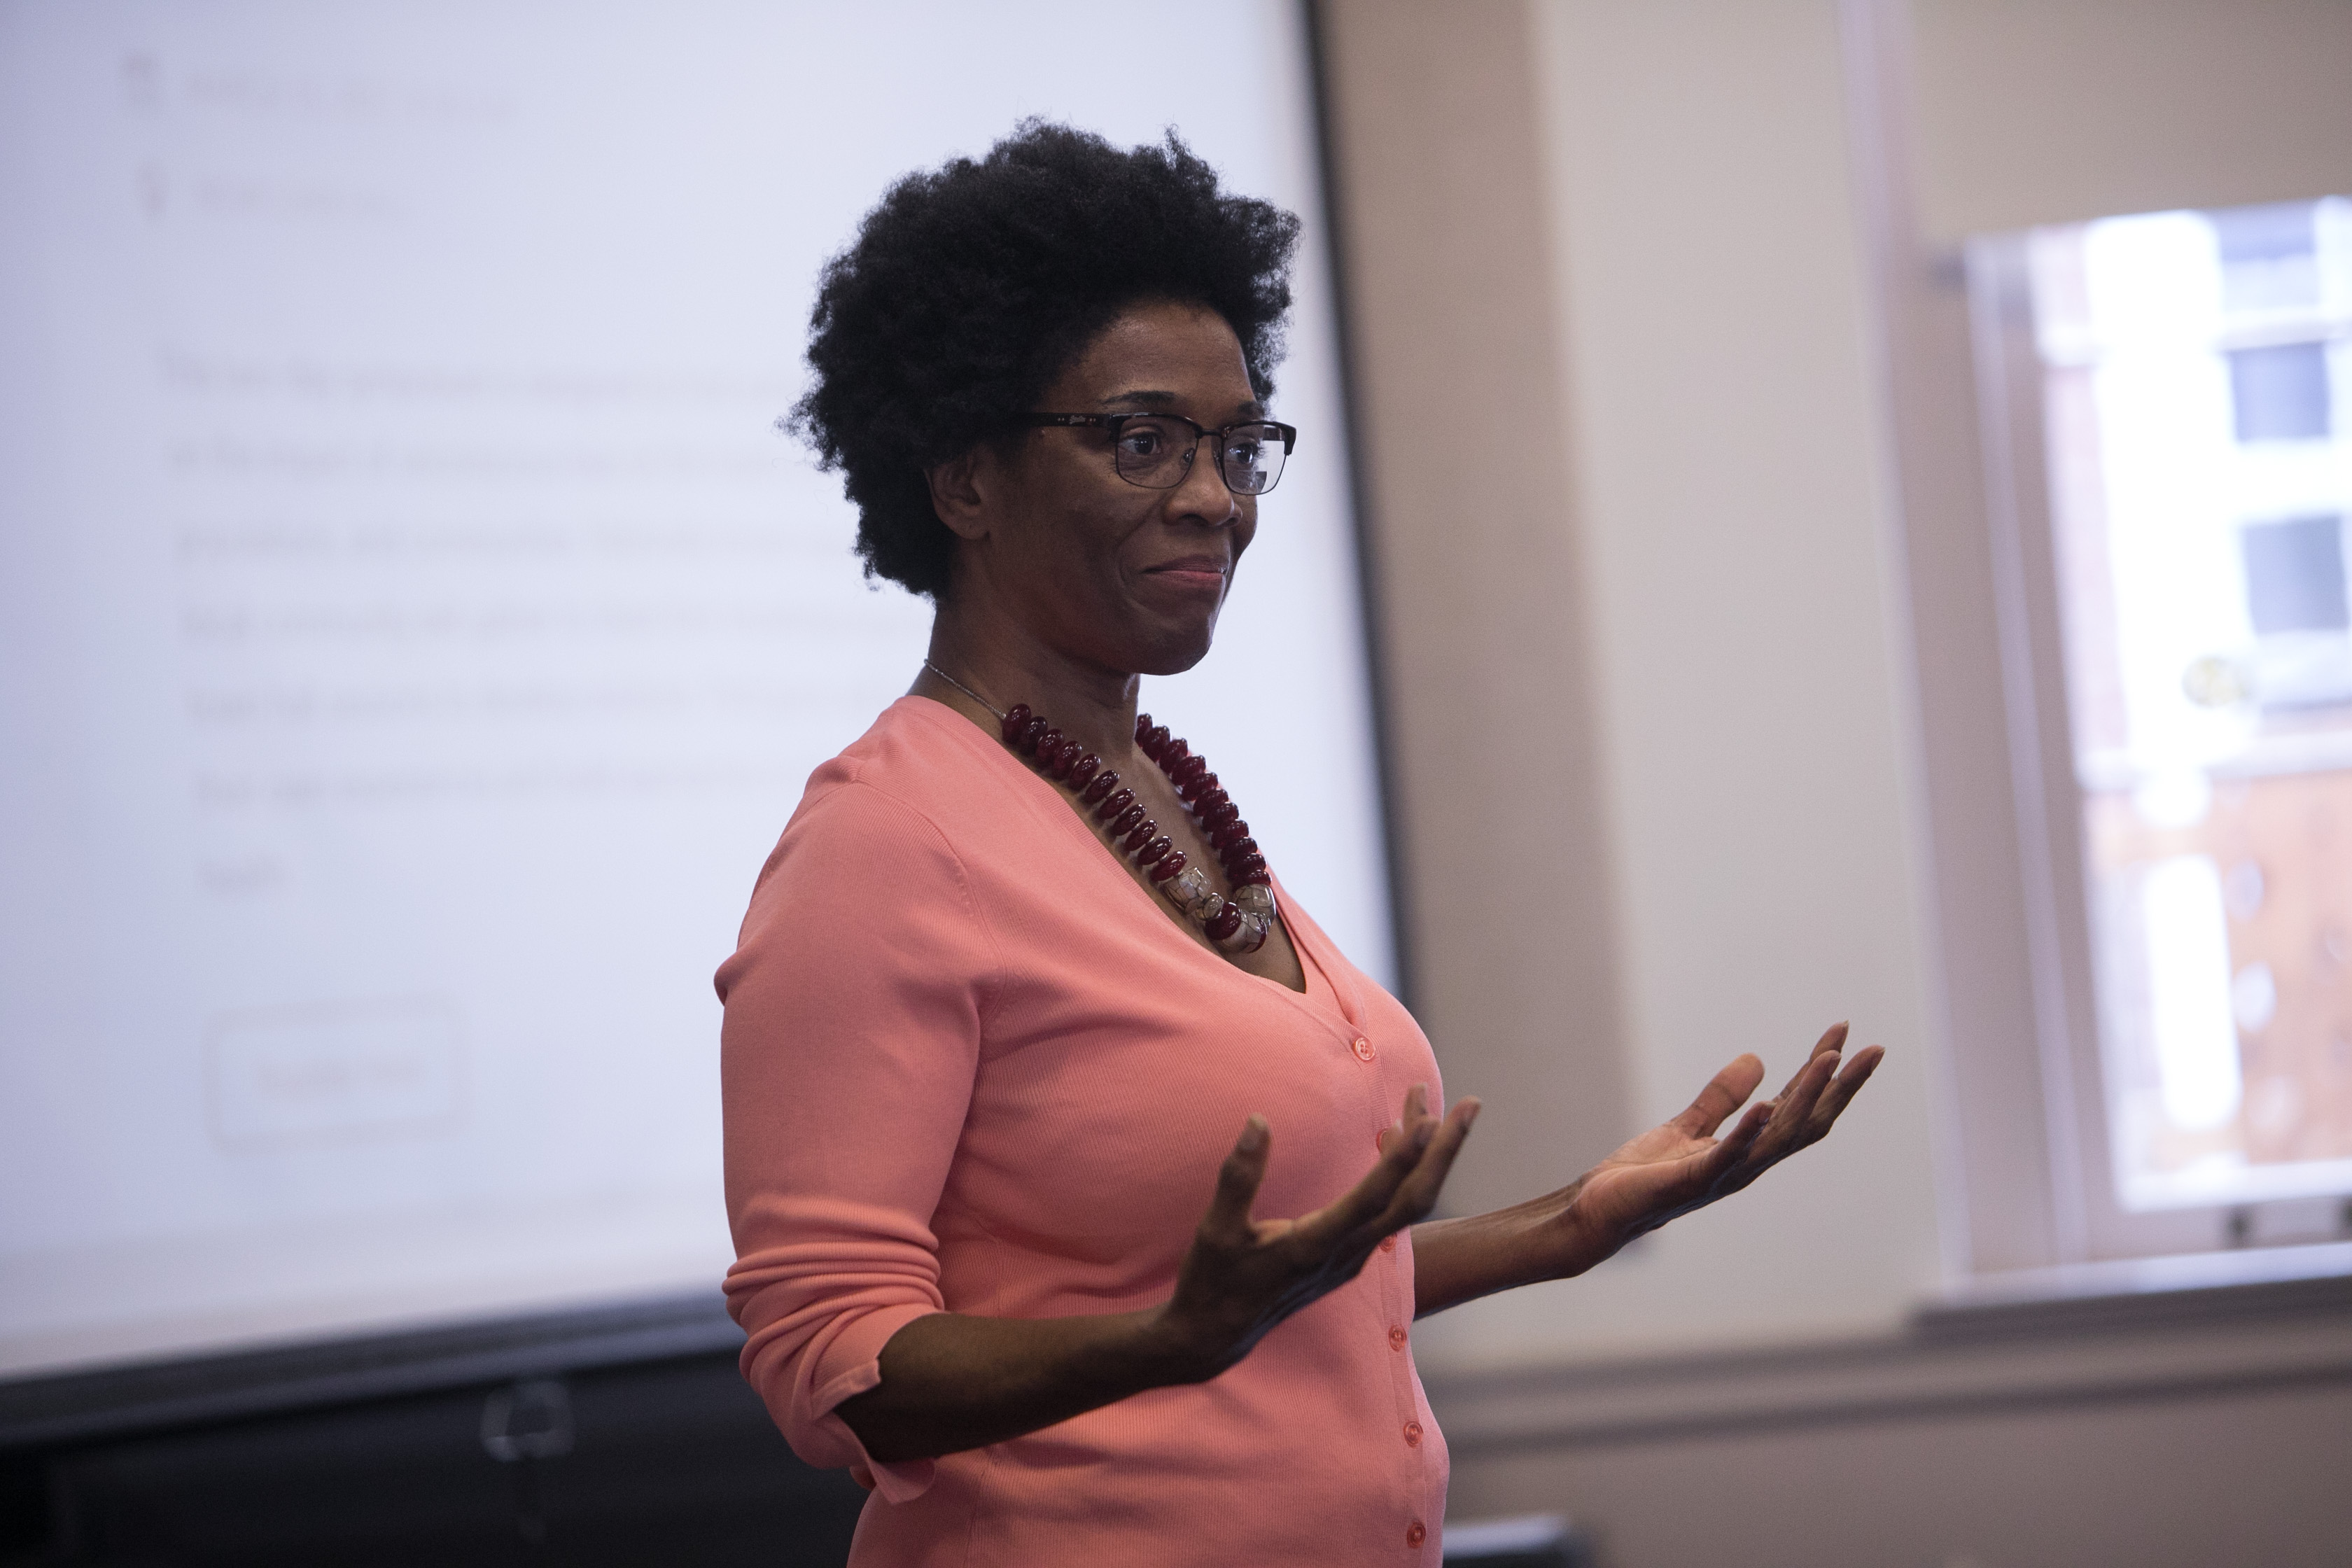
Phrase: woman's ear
x=963 y=489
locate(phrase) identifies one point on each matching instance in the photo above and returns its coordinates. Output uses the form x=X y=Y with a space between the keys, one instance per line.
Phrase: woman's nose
x=1203 y=492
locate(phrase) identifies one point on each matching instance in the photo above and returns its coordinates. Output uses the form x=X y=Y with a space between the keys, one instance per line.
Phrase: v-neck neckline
x=1109 y=859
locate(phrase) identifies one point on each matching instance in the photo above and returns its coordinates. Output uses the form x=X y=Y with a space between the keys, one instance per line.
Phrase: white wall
x=2037 y=111
x=1731 y=591
x=1732 y=601
x=1725 y=434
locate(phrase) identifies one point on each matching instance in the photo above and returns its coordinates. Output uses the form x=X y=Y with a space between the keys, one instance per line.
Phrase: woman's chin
x=1175 y=654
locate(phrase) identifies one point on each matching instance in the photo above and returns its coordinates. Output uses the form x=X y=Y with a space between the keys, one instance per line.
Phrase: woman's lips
x=1200 y=576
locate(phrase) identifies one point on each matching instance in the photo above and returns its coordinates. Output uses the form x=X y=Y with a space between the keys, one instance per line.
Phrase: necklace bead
x=1239 y=924
x=1236 y=924
x=1189 y=888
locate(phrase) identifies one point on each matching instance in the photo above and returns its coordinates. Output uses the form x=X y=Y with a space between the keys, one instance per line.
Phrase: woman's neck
x=1005 y=664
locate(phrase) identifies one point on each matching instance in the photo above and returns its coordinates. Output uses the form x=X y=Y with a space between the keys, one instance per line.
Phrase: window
x=2182 y=603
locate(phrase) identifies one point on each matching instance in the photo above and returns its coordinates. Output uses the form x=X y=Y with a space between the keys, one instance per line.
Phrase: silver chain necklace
x=967 y=690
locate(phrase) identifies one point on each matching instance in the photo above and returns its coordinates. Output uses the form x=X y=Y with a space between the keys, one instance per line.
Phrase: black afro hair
x=969 y=289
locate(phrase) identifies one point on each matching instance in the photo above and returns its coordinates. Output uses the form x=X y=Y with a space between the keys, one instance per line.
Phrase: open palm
x=1681 y=1165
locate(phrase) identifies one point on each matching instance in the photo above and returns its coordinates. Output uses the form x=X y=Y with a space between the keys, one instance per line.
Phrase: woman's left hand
x=1667 y=1172
x=1681 y=1165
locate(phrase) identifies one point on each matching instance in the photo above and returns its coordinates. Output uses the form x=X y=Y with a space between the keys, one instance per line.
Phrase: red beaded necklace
x=1237 y=924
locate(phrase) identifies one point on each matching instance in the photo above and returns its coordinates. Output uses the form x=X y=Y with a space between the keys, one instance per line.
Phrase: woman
x=1079 y=1183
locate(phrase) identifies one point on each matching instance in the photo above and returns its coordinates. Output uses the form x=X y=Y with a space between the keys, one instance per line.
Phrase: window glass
x=2194 y=368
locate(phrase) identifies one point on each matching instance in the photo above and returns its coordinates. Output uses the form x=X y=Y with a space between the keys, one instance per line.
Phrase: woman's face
x=1108 y=572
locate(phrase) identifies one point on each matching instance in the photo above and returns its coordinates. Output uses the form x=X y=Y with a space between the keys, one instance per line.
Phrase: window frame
x=2024 y=1194
x=2011 y=382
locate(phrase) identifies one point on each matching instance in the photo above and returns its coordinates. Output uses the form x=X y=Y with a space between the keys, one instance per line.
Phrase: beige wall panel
x=2034 y=111
x=2251 y=1477
x=1481 y=599
x=1996 y=1175
x=1734 y=512
x=1700 y=569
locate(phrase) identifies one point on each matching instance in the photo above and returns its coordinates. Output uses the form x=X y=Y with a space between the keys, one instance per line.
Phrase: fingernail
x=1254 y=1135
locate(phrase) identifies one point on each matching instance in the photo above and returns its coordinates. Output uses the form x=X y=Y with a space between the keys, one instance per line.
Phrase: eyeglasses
x=1155 y=450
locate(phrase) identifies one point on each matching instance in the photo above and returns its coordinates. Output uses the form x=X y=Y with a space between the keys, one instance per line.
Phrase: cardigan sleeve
x=853 y=1004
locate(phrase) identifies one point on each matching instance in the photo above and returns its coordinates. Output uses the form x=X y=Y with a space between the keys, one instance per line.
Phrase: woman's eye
x=1141 y=443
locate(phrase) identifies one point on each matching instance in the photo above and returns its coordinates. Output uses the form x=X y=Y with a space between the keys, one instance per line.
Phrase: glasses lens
x=1254 y=455
x=1153 y=452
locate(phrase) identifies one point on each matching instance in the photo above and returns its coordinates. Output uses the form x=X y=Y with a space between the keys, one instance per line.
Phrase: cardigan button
x=1415 y=1533
x=1396 y=1336
x=1412 y=1434
x=1387 y=1242
x=1362 y=1047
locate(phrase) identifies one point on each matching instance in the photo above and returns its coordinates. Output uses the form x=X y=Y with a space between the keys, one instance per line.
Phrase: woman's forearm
x=951 y=1383
x=1458 y=1260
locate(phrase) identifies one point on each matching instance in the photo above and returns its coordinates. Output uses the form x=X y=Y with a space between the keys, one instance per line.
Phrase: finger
x=1364 y=1203
x=1742 y=1138
x=1724 y=1093
x=1792 y=1126
x=1735 y=1162
x=1792 y=1108
x=1417 y=1195
x=1238 y=1180
x=1832 y=1042
x=1844 y=1086
x=1705 y=1169
x=1803 y=1116
x=1371 y=1208
x=1416 y=1110
x=1805 y=1089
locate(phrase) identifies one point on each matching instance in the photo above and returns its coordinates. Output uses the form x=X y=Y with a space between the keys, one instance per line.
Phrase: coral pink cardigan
x=970 y=1066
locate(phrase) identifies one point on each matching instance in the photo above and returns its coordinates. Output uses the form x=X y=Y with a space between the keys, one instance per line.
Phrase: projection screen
x=415 y=630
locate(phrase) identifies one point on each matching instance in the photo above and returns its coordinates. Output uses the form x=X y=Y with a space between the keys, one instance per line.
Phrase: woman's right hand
x=951 y=1381
x=1244 y=1276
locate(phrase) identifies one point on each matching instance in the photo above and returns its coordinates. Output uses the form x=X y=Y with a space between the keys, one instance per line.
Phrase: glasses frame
x=1114 y=423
